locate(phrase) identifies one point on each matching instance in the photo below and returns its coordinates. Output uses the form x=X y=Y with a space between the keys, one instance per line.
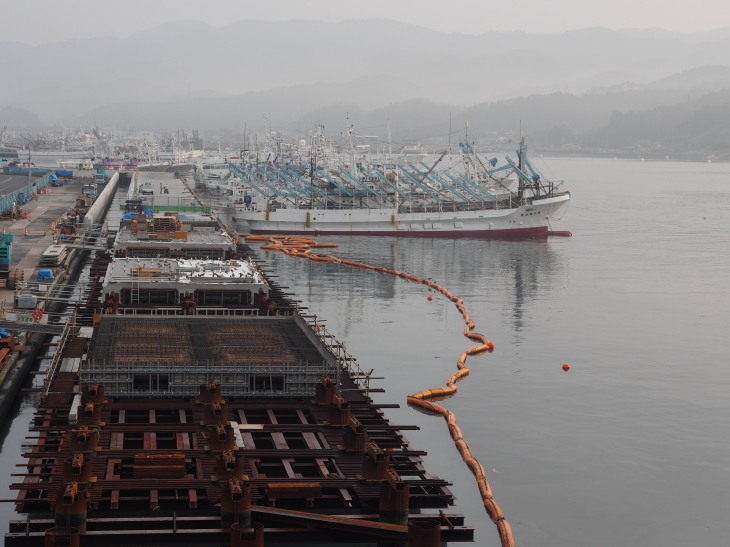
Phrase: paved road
x=11 y=183
x=41 y=212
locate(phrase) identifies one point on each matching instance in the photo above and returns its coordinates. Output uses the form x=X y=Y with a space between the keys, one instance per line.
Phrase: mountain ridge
x=191 y=74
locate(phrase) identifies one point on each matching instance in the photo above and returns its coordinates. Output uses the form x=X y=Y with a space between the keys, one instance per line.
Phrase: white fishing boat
x=211 y=170
x=81 y=163
x=477 y=200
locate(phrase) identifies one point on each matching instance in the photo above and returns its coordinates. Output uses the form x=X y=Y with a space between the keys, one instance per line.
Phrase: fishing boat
x=119 y=164
x=474 y=199
x=210 y=171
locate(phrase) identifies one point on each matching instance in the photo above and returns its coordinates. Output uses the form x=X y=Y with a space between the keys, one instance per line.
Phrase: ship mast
x=350 y=141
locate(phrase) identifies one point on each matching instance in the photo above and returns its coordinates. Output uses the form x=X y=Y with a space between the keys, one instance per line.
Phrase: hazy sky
x=42 y=21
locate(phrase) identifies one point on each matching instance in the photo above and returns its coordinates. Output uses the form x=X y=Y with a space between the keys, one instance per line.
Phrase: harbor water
x=631 y=446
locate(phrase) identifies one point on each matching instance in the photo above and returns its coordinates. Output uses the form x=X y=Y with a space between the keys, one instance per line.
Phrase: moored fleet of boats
x=461 y=197
x=317 y=188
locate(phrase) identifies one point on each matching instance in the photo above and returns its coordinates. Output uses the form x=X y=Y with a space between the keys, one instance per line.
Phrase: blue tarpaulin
x=44 y=275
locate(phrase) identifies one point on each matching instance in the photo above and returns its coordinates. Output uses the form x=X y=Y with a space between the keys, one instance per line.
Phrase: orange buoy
x=566 y=367
x=430 y=298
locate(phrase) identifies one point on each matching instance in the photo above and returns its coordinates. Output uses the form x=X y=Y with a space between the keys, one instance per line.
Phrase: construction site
x=191 y=401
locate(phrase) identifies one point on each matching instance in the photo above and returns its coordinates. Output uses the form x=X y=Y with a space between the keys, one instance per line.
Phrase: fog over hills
x=569 y=90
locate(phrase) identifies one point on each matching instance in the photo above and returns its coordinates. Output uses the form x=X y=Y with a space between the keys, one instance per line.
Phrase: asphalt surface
x=11 y=183
x=42 y=211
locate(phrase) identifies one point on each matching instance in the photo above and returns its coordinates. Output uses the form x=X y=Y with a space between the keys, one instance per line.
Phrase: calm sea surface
x=632 y=445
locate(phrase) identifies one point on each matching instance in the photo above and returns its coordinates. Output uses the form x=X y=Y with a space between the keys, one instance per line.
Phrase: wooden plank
x=286 y=462
x=254 y=469
x=279 y=440
x=323 y=440
x=247 y=439
x=116 y=441
x=301 y=416
x=272 y=416
x=323 y=470
x=150 y=440
x=310 y=439
x=346 y=497
x=110 y=469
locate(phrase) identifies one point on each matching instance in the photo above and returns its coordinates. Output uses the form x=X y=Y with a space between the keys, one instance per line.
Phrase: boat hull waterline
x=521 y=222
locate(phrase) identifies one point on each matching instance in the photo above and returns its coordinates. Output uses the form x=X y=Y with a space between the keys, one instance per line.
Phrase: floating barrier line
x=300 y=247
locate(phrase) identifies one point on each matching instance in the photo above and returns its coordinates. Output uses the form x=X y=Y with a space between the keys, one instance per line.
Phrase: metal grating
x=172 y=356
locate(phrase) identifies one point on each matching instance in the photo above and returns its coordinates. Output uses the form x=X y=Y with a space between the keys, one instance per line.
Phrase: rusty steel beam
x=331 y=522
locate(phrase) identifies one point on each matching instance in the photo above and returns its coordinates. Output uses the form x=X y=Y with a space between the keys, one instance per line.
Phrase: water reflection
x=473 y=269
